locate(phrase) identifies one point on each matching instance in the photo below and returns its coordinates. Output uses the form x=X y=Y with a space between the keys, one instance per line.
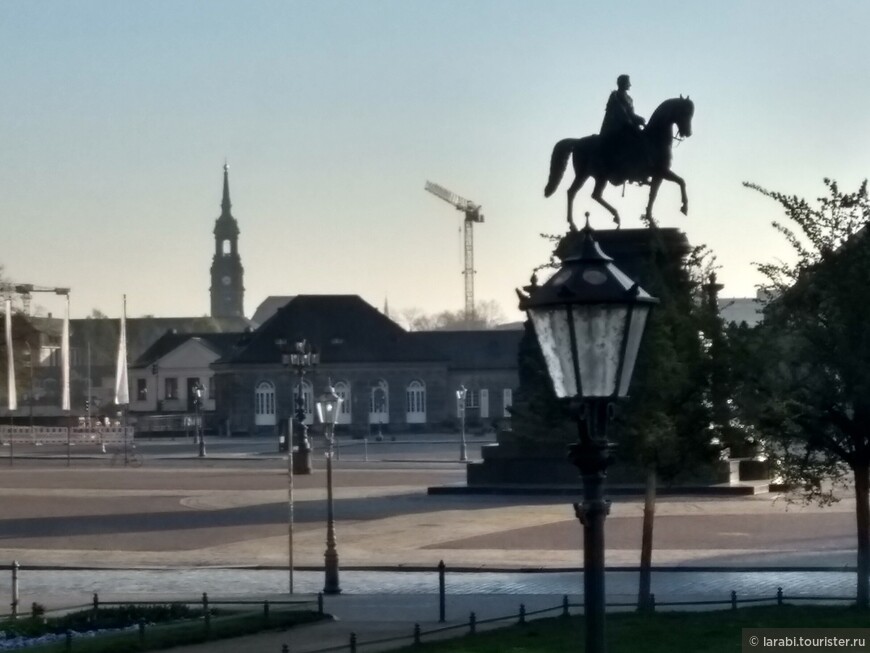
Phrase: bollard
x=142 y=630
x=353 y=643
x=266 y=611
x=15 y=589
x=320 y=603
x=472 y=624
x=416 y=634
x=733 y=600
x=779 y=596
x=522 y=613
x=565 y=612
x=96 y=605
x=442 y=598
x=204 y=602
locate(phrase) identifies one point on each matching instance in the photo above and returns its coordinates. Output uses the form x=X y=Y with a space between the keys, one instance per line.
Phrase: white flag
x=64 y=361
x=122 y=390
x=10 y=365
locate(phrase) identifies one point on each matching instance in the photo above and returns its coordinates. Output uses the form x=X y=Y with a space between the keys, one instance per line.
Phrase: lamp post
x=589 y=319
x=197 y=405
x=327 y=412
x=460 y=399
x=302 y=357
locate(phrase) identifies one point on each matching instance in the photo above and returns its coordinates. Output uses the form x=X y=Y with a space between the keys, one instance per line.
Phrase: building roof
x=268 y=307
x=101 y=334
x=221 y=344
x=344 y=328
x=478 y=350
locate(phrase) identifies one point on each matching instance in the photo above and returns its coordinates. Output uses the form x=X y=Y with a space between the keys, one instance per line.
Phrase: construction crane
x=472 y=215
x=26 y=291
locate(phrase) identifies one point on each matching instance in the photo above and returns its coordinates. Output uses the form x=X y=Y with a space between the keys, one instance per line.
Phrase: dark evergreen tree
x=679 y=401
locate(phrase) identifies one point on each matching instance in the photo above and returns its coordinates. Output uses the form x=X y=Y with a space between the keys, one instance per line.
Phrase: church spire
x=225 y=202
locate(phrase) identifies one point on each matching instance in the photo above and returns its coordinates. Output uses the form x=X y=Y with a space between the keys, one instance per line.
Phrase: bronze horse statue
x=647 y=162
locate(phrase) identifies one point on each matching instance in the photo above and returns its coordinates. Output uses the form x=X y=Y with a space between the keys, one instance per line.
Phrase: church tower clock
x=227 y=291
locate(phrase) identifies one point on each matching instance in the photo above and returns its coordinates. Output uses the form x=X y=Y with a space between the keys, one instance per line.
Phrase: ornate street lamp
x=197 y=405
x=589 y=318
x=327 y=412
x=302 y=357
x=460 y=400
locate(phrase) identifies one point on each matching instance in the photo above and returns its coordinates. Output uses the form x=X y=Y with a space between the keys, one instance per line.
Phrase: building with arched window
x=389 y=379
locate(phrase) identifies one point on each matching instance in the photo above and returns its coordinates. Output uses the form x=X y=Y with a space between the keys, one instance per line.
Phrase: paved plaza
x=220 y=524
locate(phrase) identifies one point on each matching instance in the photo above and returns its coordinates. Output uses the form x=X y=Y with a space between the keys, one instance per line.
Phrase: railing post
x=733 y=600
x=565 y=612
x=14 y=589
x=353 y=643
x=416 y=634
x=522 y=613
x=779 y=596
x=442 y=598
x=472 y=623
x=206 y=614
x=96 y=605
x=652 y=602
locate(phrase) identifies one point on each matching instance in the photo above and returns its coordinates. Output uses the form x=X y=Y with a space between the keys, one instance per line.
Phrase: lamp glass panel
x=551 y=329
x=327 y=410
x=599 y=330
x=636 y=328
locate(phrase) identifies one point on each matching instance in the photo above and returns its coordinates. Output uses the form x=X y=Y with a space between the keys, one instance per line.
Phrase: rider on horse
x=623 y=145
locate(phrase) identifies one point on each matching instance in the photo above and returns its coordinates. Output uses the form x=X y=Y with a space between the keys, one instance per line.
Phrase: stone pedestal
x=522 y=462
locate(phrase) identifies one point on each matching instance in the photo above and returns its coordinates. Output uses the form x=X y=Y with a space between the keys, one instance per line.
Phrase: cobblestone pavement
x=69 y=587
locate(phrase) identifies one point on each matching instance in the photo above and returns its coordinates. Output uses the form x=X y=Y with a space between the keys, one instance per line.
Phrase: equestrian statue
x=625 y=150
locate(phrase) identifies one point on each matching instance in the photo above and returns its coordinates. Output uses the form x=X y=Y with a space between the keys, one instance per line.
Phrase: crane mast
x=472 y=215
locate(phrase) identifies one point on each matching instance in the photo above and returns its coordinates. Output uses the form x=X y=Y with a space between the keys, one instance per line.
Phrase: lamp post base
x=330 y=582
x=302 y=461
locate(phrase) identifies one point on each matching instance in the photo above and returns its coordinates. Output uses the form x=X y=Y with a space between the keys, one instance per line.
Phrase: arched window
x=226 y=247
x=379 y=403
x=264 y=404
x=342 y=389
x=415 y=408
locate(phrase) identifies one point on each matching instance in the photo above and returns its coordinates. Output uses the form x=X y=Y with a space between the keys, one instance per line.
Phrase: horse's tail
x=558 y=162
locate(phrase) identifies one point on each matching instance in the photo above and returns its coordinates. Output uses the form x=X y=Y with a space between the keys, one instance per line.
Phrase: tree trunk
x=862 y=514
x=646 y=545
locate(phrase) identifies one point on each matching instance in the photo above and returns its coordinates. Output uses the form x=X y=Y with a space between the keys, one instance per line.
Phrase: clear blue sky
x=116 y=117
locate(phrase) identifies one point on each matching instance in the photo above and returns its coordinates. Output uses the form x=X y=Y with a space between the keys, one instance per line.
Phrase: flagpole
x=10 y=371
x=122 y=389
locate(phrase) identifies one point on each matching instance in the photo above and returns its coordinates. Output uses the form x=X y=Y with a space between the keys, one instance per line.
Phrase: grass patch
x=168 y=626
x=661 y=632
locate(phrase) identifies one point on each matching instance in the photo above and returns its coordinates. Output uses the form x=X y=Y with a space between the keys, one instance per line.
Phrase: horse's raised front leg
x=596 y=195
x=674 y=177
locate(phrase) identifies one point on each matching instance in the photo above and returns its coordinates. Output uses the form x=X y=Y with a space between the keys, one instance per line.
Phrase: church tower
x=227 y=291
